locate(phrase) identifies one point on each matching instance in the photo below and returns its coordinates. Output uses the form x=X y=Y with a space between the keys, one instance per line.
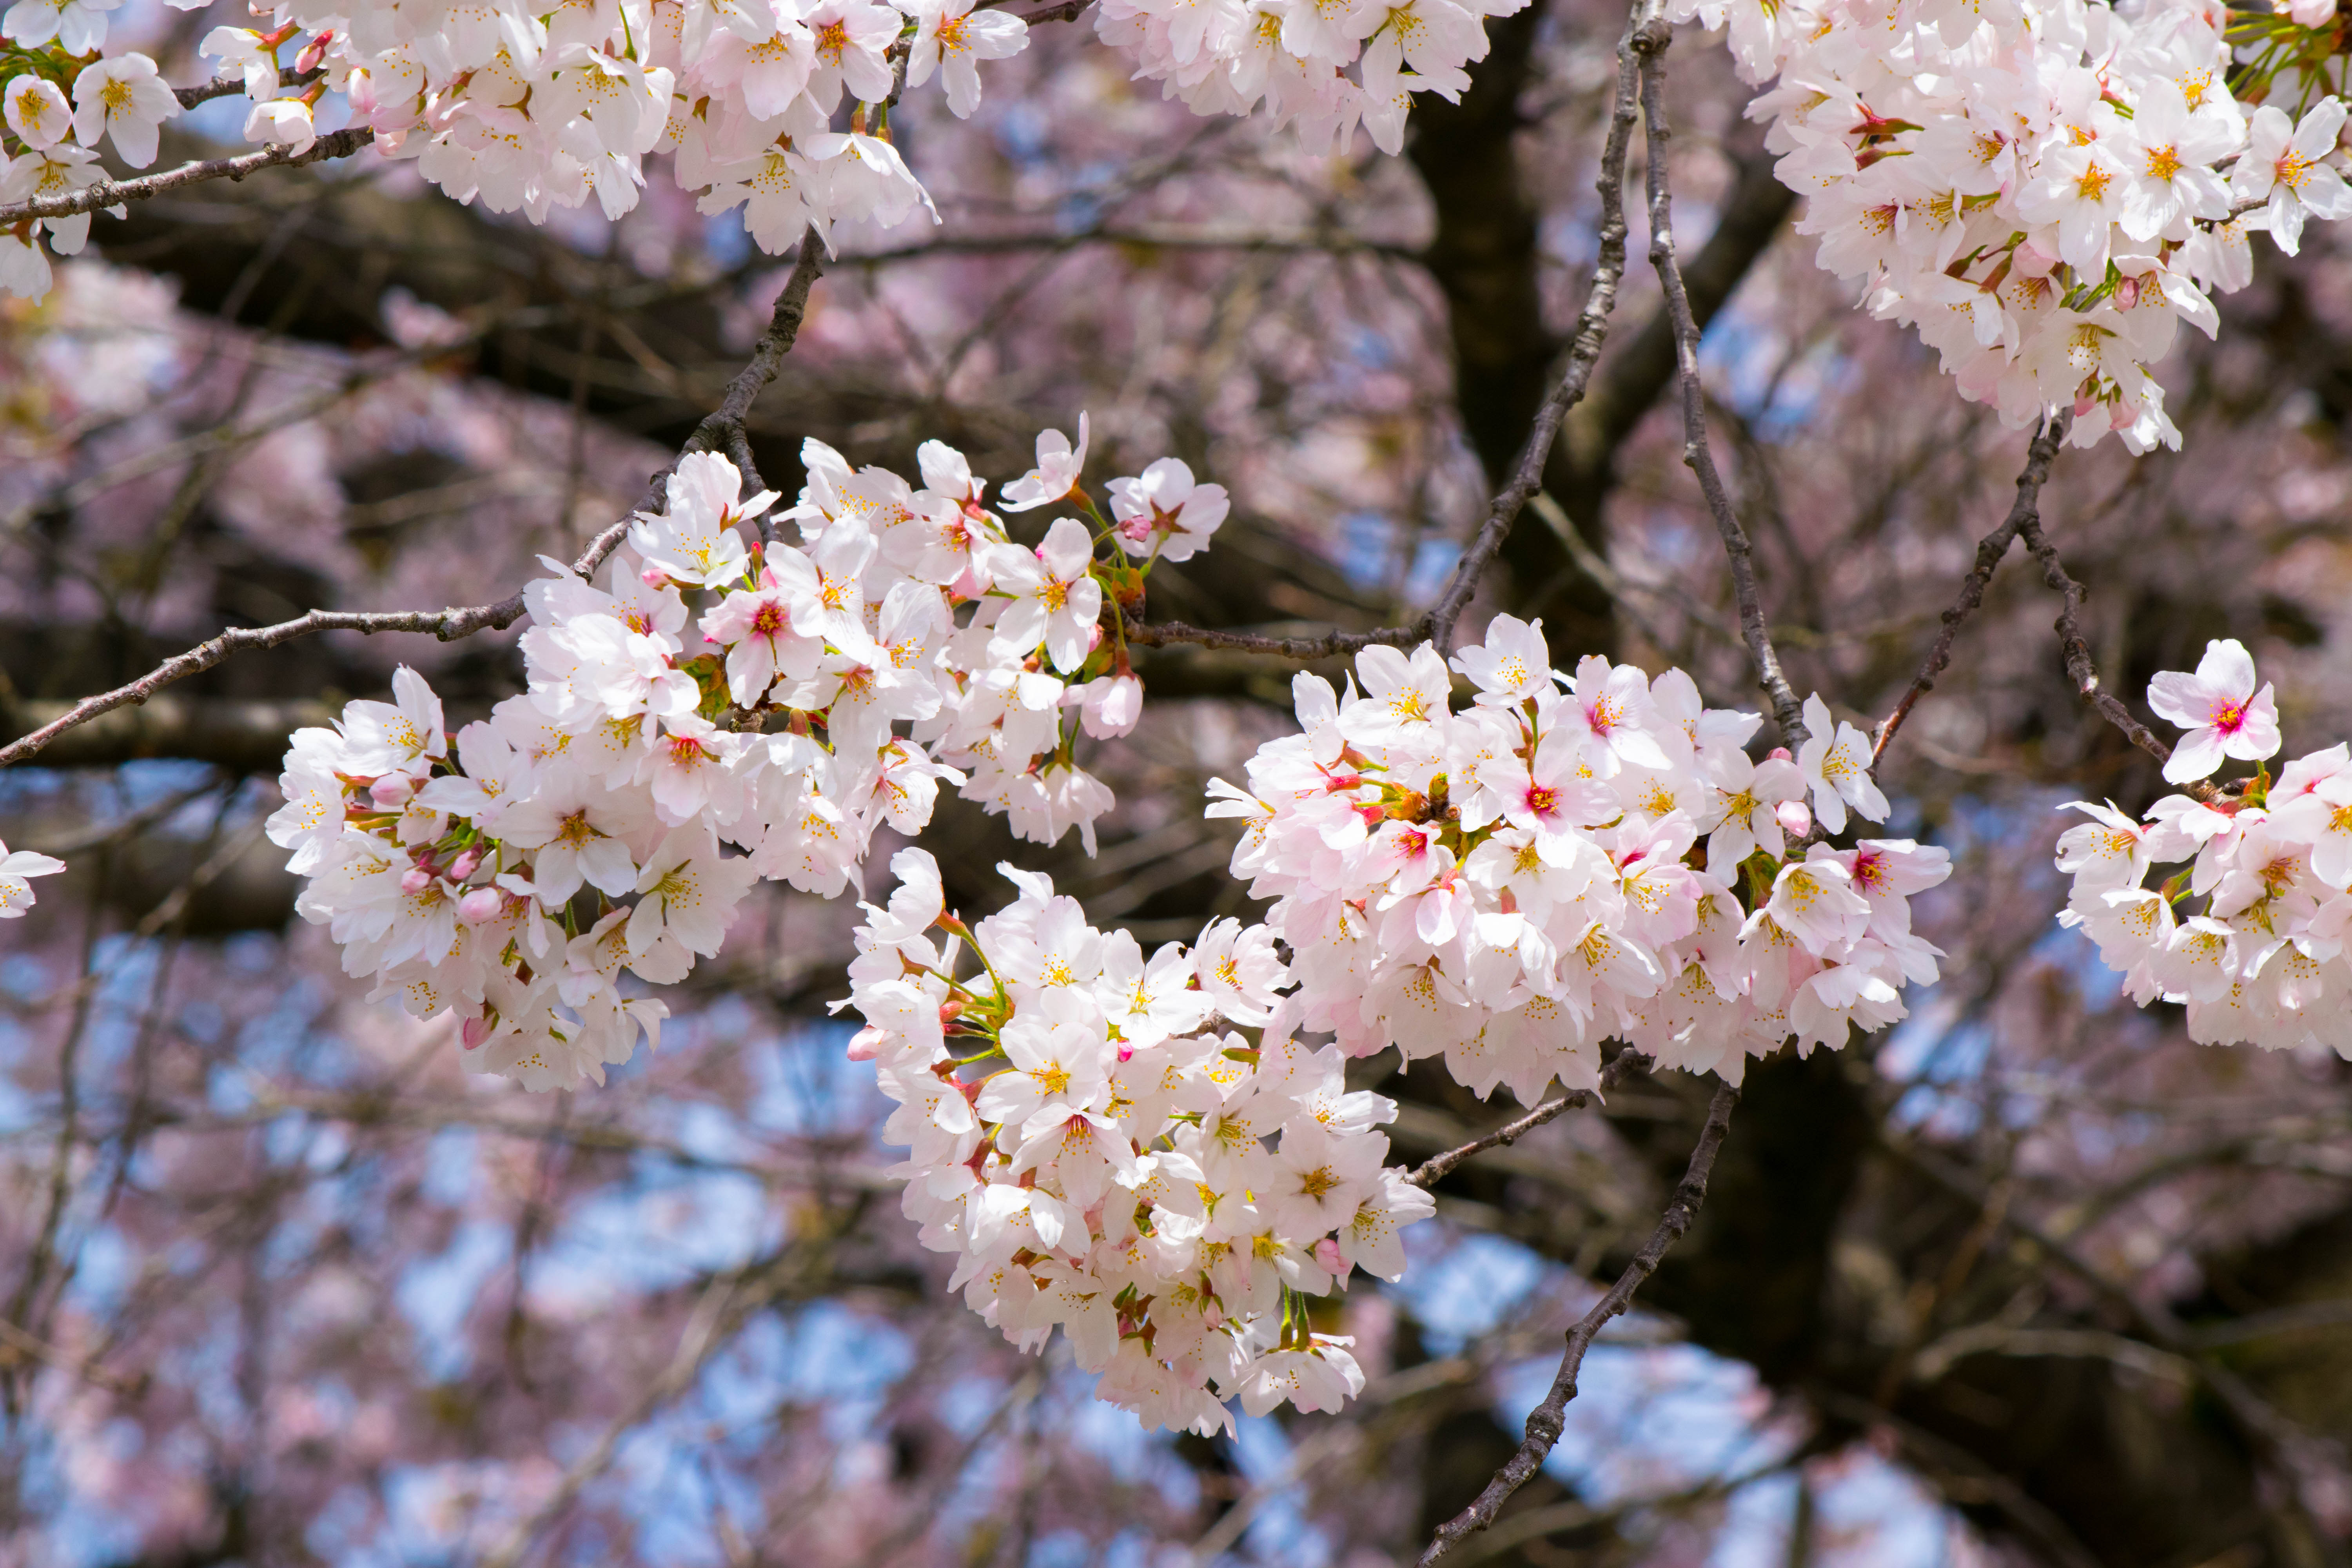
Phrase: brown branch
x=112 y=193
x=1331 y=644
x=1651 y=43
x=2079 y=669
x=244 y=735
x=713 y=432
x=230 y=86
x=1624 y=1066
x=1545 y=1423
x=2038 y=456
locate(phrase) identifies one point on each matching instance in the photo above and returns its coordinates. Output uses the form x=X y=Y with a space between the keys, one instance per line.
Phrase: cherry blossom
x=37 y=112
x=2224 y=714
x=122 y=98
x=1056 y=476
x=17 y=868
x=951 y=38
x=1164 y=515
x=1835 y=761
x=2284 y=166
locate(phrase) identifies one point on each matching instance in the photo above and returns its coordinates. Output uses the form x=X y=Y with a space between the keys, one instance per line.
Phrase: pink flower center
x=2229 y=717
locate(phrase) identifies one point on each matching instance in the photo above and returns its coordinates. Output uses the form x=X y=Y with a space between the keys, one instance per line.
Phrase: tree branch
x=230 y=86
x=1624 y=1065
x=242 y=735
x=2079 y=669
x=1990 y=551
x=1545 y=1423
x=715 y=432
x=112 y=193
x=1651 y=43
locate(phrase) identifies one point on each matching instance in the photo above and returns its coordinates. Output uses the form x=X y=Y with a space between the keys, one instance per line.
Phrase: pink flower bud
x=1796 y=818
x=463 y=866
x=391 y=791
x=654 y=577
x=865 y=1045
x=415 y=880
x=2126 y=293
x=478 y=905
x=2033 y=263
x=1326 y=1257
x=476 y=1031
x=1780 y=754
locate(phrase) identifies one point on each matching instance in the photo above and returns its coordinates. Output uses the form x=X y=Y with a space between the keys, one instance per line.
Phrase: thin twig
x=1545 y=1423
x=1651 y=43
x=229 y=86
x=713 y=432
x=2039 y=455
x=2079 y=669
x=112 y=193
x=1625 y=1064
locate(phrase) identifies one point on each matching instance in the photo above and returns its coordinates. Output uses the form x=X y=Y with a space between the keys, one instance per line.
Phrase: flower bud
x=1796 y=817
x=463 y=866
x=1328 y=1259
x=415 y=880
x=391 y=791
x=476 y=1030
x=866 y=1045
x=478 y=905
x=1780 y=754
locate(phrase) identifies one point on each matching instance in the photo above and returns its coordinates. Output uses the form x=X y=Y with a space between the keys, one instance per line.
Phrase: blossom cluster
x=2251 y=937
x=529 y=108
x=1228 y=57
x=1100 y=1156
x=823 y=689
x=2046 y=189
x=781 y=108
x=1568 y=859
